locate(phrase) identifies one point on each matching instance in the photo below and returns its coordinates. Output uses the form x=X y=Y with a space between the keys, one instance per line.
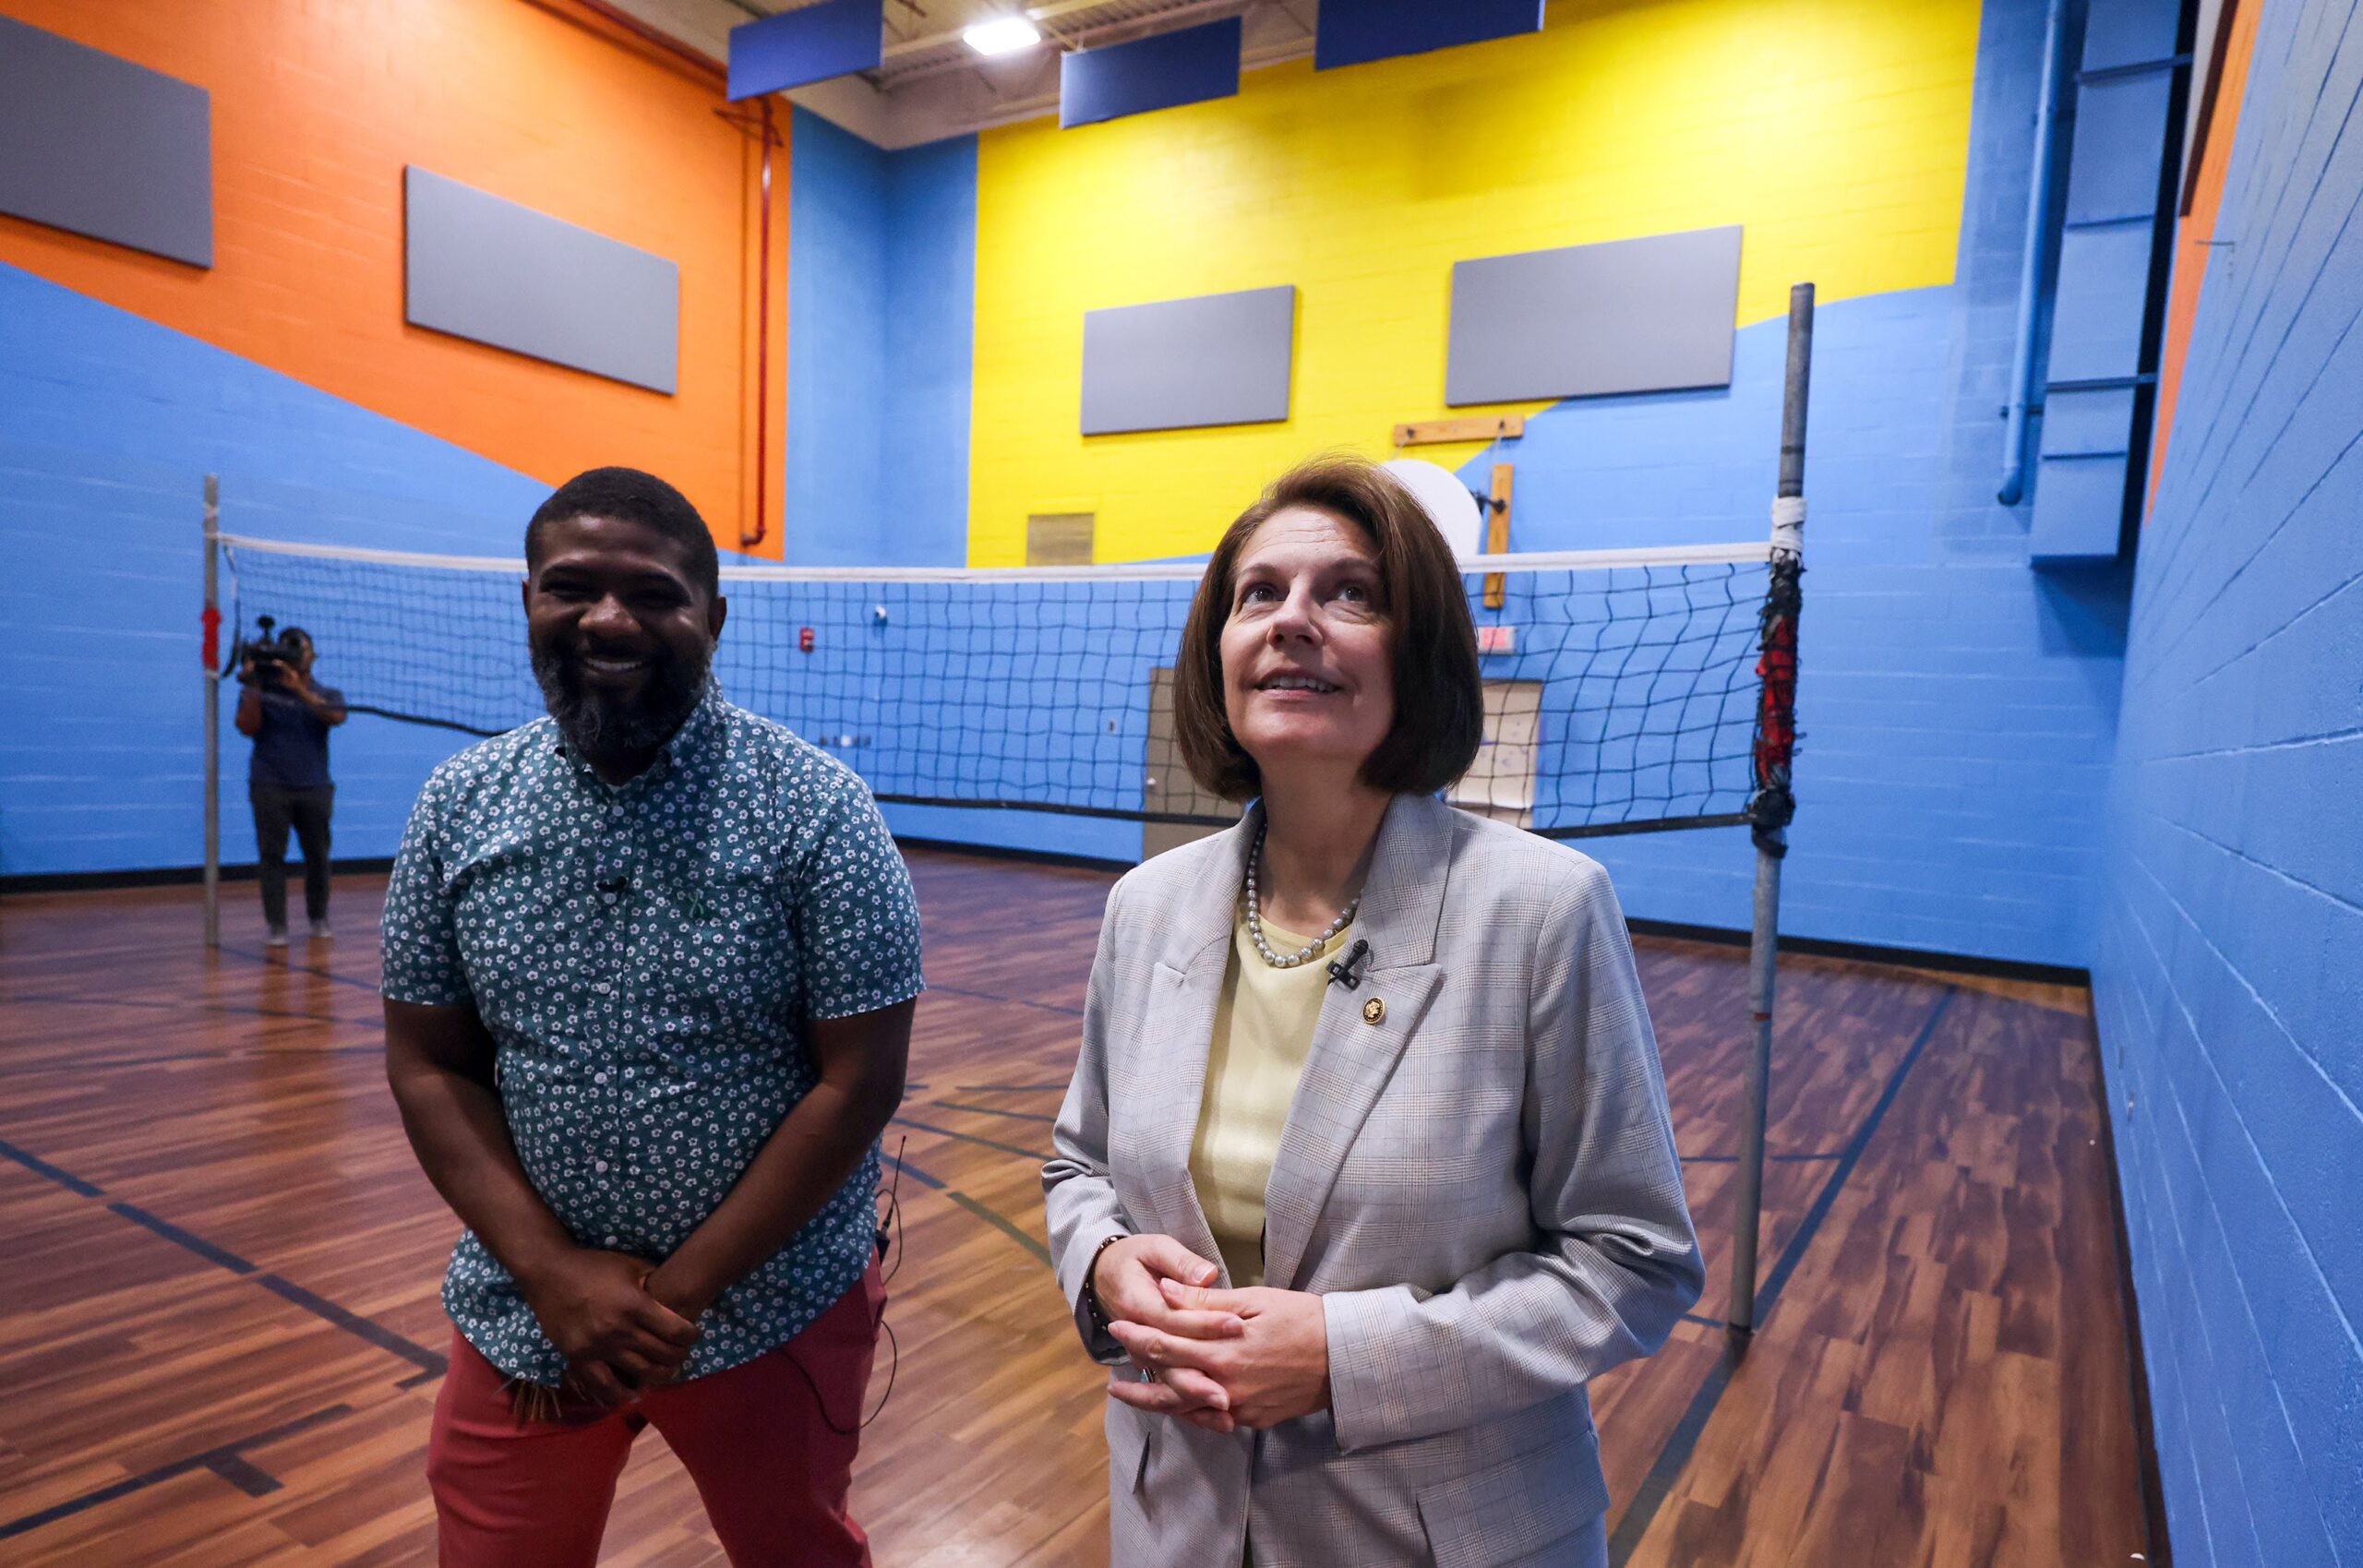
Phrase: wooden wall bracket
x=1497 y=530
x=1485 y=427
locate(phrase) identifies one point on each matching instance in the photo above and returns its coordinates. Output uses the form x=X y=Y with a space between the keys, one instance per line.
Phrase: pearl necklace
x=1256 y=919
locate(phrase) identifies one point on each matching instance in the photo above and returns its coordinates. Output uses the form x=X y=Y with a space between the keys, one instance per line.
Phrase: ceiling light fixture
x=1001 y=35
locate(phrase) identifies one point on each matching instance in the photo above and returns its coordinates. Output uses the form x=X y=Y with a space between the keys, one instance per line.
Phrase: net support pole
x=1775 y=733
x=210 y=650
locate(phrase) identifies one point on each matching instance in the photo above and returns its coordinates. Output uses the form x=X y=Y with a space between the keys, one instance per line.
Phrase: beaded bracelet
x=1090 y=1292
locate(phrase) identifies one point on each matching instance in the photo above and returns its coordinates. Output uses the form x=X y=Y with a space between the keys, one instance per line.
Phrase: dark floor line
x=43 y=1169
x=914 y=1172
x=1003 y=1224
x=427 y=1361
x=219 y=1257
x=1794 y=1253
x=183 y=1007
x=110 y=1064
x=995 y=1110
x=244 y=1474
x=430 y=1363
x=992 y=1217
x=1014 y=1001
x=1009 y=1088
x=1657 y=1485
x=306 y=969
x=227 y=1461
x=972 y=1138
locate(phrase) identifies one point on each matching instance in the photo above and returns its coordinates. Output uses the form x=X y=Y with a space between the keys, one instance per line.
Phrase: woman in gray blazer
x=1365 y=1170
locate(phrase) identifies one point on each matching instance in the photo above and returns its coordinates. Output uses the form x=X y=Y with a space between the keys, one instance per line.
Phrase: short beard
x=595 y=723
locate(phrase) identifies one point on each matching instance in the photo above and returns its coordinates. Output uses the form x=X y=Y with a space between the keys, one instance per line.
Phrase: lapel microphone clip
x=1341 y=970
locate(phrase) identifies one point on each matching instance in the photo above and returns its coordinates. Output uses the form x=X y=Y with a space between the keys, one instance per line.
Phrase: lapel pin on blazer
x=1374 y=1012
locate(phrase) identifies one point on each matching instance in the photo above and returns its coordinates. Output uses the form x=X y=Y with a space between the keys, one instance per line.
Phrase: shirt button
x=598 y=1078
x=599 y=1165
x=609 y=1241
x=600 y=986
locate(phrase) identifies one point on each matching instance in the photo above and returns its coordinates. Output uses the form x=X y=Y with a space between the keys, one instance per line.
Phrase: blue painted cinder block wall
x=882 y=299
x=2229 y=978
x=108 y=424
x=1958 y=705
x=881 y=289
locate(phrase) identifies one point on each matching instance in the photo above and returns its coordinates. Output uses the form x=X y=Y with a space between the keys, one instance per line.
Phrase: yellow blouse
x=1262 y=1034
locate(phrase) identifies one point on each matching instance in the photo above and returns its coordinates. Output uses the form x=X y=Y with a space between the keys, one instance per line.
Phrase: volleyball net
x=1622 y=692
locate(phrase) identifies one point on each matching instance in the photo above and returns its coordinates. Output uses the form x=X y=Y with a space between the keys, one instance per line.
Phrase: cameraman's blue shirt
x=292 y=748
x=648 y=958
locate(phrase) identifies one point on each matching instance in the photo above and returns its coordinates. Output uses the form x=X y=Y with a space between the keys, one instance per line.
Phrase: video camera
x=267 y=656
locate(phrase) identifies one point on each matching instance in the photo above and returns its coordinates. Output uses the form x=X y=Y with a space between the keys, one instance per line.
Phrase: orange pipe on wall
x=762 y=350
x=699 y=66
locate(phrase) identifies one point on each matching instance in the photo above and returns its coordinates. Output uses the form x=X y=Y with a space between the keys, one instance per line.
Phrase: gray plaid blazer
x=1481 y=1186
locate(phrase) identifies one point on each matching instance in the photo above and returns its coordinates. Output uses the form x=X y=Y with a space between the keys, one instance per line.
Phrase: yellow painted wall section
x=1836 y=131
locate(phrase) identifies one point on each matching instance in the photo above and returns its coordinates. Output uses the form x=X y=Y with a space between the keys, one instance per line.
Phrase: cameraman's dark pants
x=305 y=810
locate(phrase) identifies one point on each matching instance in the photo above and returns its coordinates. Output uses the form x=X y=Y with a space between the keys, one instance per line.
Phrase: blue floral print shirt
x=646 y=957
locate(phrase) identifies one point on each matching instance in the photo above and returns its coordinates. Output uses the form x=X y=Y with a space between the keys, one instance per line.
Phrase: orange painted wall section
x=317 y=106
x=2191 y=234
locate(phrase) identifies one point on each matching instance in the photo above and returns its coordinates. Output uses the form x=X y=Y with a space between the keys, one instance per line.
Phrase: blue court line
x=914 y=1172
x=306 y=969
x=993 y=1110
x=992 y=1217
x=1657 y=1485
x=972 y=1138
x=430 y=1363
x=108 y=1064
x=176 y=1007
x=244 y=1474
x=227 y=1462
x=219 y=1257
x=1012 y=1001
x=1001 y=1222
x=41 y=1167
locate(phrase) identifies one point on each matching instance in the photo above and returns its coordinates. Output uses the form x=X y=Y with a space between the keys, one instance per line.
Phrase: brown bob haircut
x=1439 y=703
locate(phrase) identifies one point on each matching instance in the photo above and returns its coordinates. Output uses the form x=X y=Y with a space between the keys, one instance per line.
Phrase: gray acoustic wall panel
x=1650 y=315
x=1219 y=359
x=105 y=147
x=478 y=267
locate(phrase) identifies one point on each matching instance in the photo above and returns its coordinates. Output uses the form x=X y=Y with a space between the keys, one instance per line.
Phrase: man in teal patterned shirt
x=650 y=965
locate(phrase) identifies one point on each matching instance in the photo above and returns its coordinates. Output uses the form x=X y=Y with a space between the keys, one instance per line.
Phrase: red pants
x=773 y=1464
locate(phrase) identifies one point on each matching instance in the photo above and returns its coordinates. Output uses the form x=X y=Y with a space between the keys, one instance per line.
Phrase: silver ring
x=1147 y=1375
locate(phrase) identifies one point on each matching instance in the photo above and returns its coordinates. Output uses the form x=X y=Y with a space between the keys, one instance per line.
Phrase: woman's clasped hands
x=1219 y=1359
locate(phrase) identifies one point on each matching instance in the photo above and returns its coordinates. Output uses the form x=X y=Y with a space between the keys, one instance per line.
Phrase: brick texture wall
x=2230 y=969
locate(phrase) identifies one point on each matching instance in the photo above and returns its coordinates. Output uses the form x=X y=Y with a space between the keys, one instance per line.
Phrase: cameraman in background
x=288 y=719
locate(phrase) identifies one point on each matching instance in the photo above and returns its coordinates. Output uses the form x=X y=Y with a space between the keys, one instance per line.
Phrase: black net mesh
x=1619 y=700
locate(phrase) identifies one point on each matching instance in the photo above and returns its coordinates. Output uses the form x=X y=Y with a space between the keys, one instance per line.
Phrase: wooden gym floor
x=220 y=1333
